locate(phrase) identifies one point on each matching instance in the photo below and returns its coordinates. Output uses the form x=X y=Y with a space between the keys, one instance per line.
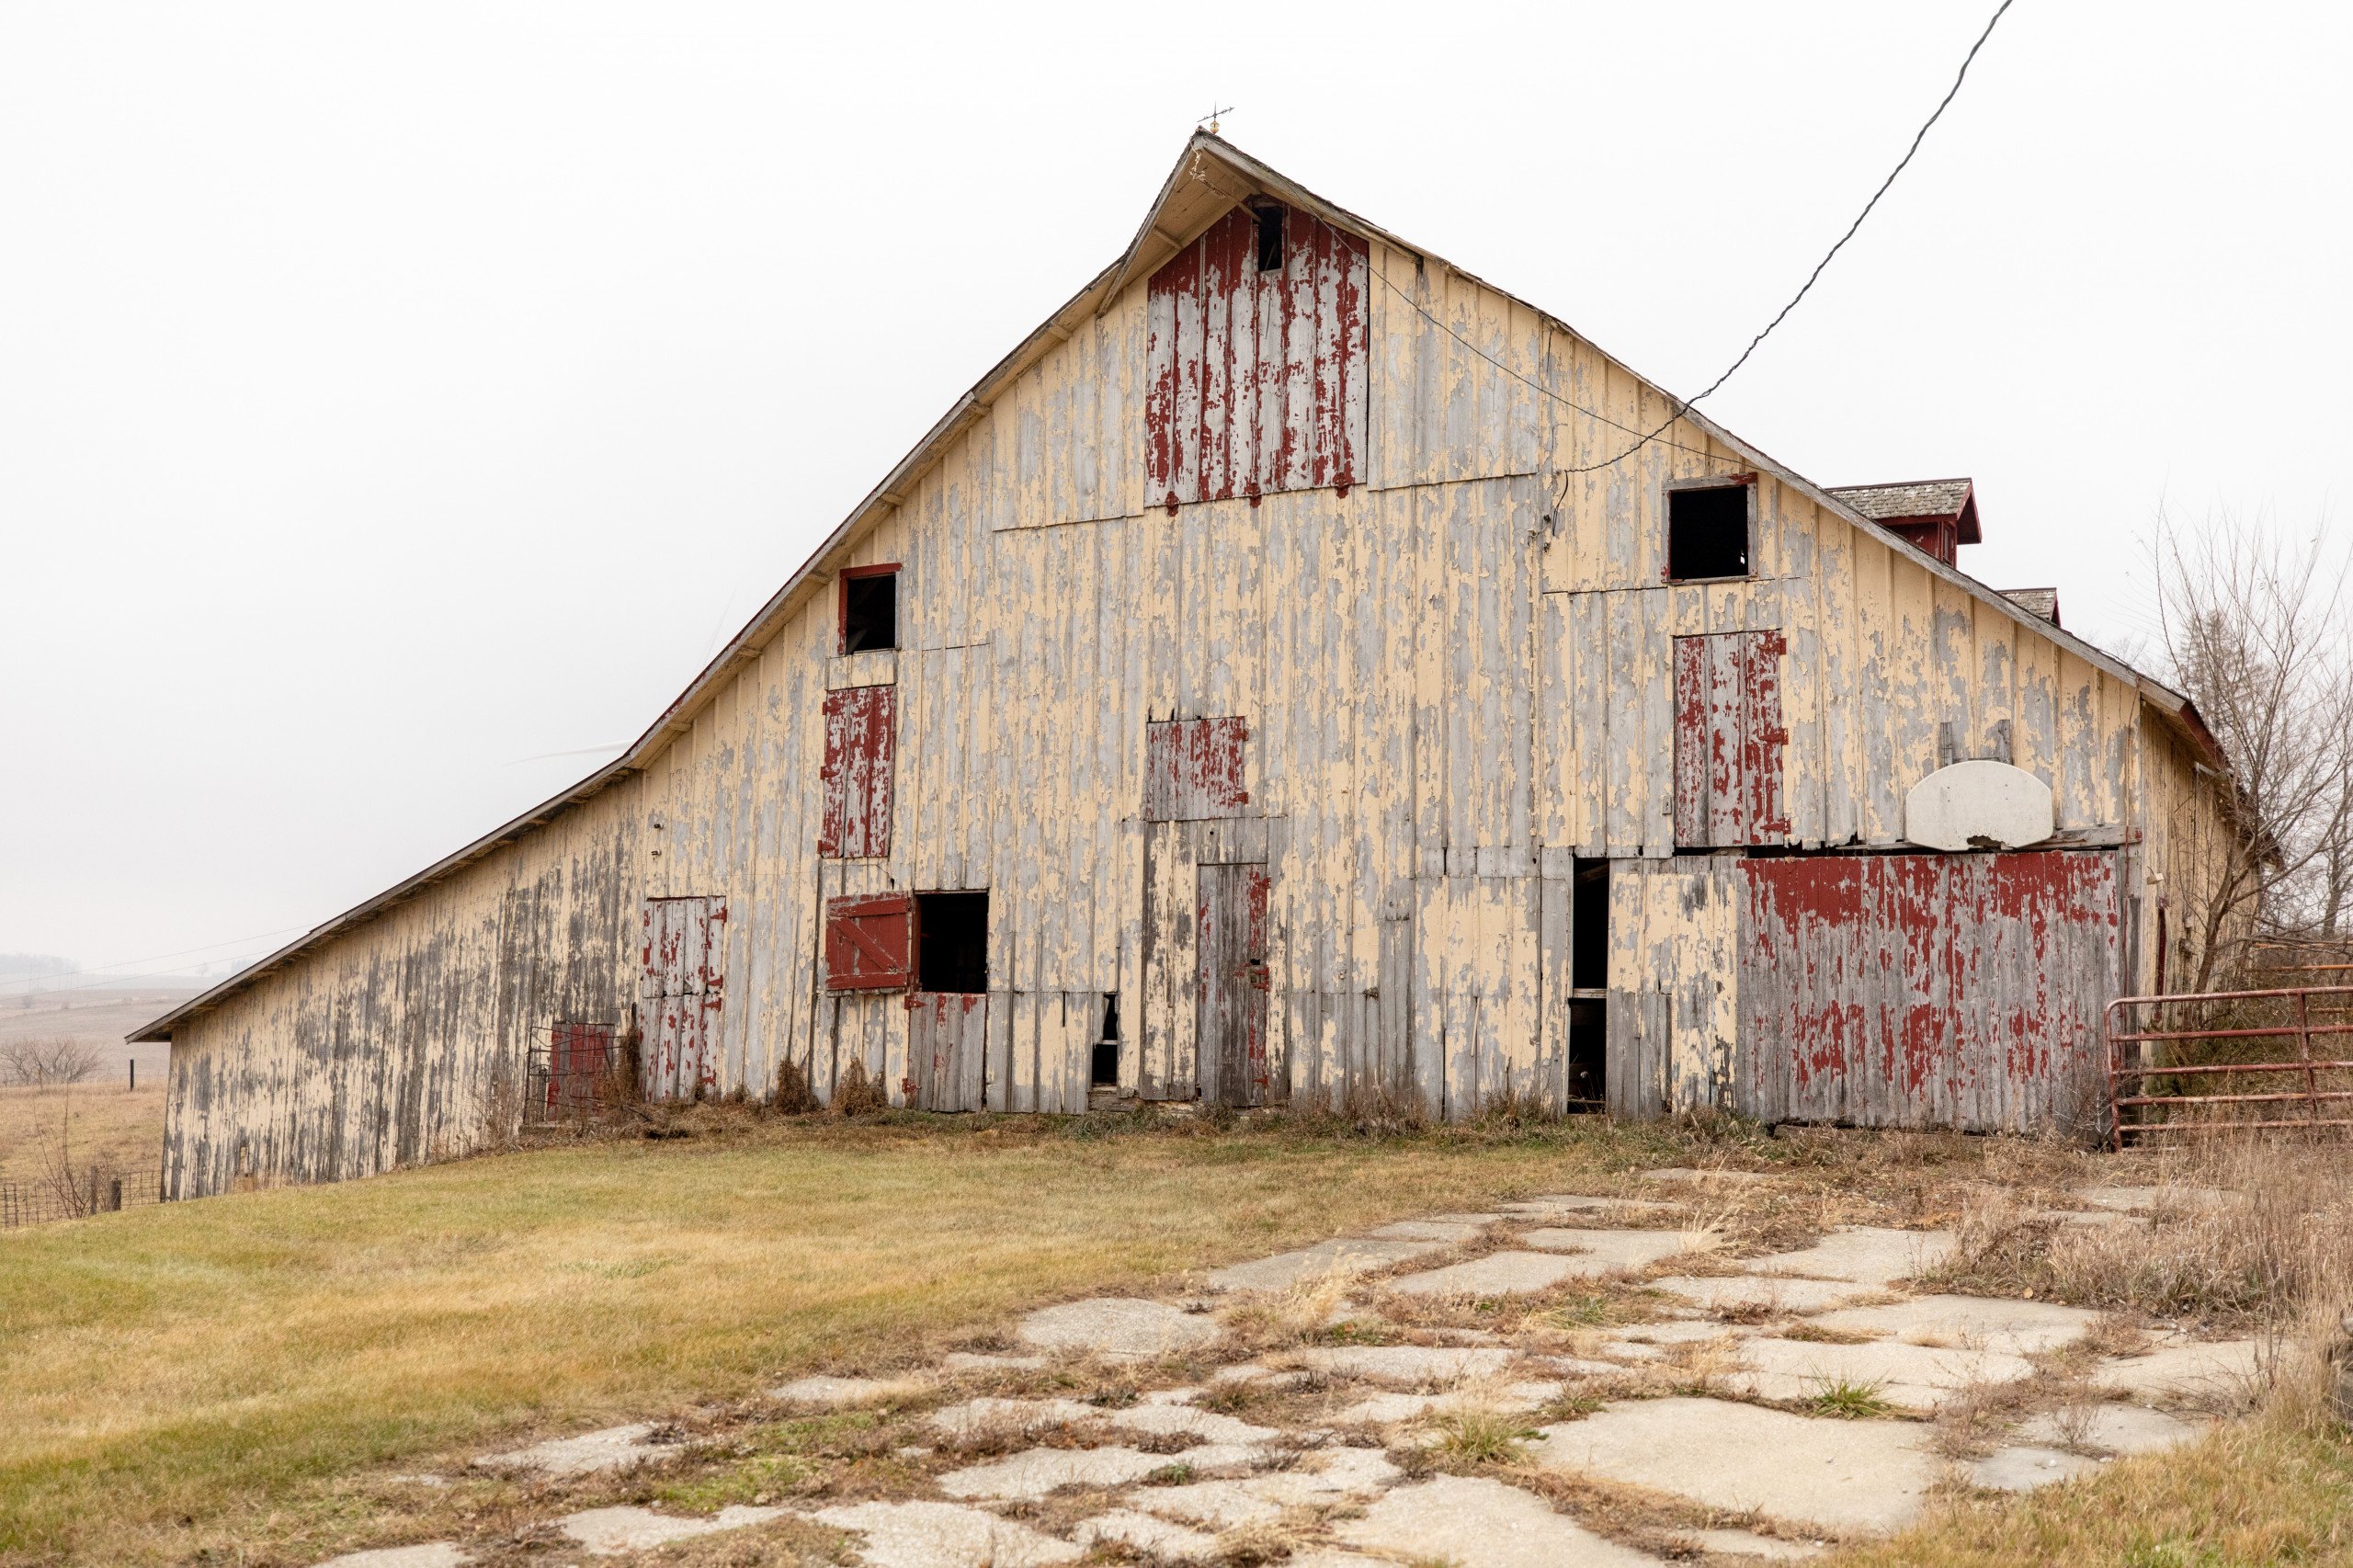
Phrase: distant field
x=99 y=1123
x=101 y=1018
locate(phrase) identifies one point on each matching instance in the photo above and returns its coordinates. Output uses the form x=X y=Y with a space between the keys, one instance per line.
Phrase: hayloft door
x=1231 y=1022
x=681 y=981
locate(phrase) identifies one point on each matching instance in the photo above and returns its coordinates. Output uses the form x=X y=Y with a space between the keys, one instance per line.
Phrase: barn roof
x=2043 y=602
x=1917 y=501
x=1210 y=178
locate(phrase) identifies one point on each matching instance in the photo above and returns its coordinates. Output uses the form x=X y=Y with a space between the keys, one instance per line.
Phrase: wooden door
x=681 y=980
x=1229 y=1030
x=947 y=1033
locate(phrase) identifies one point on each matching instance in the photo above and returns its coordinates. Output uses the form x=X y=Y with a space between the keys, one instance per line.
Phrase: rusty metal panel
x=947 y=1050
x=862 y=745
x=1194 y=769
x=1256 y=379
x=1729 y=740
x=867 y=947
x=1958 y=991
x=680 y=988
x=1231 y=995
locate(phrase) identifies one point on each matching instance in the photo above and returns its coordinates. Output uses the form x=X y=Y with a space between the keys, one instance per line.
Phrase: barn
x=1299 y=673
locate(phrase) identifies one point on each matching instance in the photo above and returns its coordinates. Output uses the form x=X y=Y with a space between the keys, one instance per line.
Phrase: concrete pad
x=1740 y=1543
x=1498 y=1274
x=1578 y=1202
x=608 y=1532
x=1347 y=1255
x=2023 y=1470
x=1427 y=1231
x=2016 y=1328
x=2151 y=1199
x=941 y=1535
x=1481 y=1523
x=843 y=1393
x=1409 y=1365
x=1749 y=1292
x=1153 y=1538
x=1606 y=1252
x=614 y=1448
x=1169 y=1420
x=1912 y=1377
x=1037 y=1472
x=1120 y=1327
x=974 y=1361
x=1820 y=1476
x=2187 y=1371
x=975 y=1416
x=1385 y=1409
x=1324 y=1476
x=430 y=1554
x=1644 y=1335
x=2109 y=1429
x=1220 y=1505
x=1862 y=1254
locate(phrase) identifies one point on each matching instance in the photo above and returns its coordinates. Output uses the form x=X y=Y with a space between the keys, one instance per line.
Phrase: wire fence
x=76 y=1195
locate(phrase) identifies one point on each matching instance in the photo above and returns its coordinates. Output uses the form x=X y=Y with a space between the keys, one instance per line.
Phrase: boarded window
x=862 y=742
x=869 y=608
x=866 y=943
x=1255 y=374
x=1729 y=740
x=1707 y=533
x=1193 y=769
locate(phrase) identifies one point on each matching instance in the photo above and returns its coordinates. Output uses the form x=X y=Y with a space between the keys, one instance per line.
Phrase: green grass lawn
x=193 y=1375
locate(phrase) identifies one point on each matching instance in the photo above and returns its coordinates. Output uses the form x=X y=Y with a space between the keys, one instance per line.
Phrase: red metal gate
x=2249 y=1020
x=681 y=966
x=1960 y=991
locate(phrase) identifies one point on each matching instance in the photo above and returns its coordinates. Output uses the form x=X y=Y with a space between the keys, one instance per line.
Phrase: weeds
x=1846 y=1401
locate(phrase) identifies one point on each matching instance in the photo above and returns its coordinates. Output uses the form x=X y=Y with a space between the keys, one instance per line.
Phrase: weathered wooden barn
x=1289 y=676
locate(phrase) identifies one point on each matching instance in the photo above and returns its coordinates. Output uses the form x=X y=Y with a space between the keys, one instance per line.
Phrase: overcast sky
x=399 y=403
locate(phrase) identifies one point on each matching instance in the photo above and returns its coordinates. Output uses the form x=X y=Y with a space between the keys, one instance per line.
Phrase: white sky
x=391 y=395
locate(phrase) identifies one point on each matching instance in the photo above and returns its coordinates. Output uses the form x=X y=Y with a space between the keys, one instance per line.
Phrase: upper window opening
x=1707 y=533
x=869 y=608
x=1271 y=239
x=952 y=941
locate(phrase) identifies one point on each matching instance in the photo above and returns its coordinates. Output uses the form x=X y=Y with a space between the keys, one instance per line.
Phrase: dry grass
x=104 y=1125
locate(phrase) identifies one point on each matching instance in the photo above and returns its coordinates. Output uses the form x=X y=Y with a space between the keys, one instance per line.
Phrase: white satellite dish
x=1978 y=805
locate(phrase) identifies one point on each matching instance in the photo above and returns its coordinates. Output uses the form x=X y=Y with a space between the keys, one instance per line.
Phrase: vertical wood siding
x=1728 y=740
x=1958 y=991
x=947 y=1050
x=1194 y=769
x=1255 y=379
x=682 y=986
x=858 y=775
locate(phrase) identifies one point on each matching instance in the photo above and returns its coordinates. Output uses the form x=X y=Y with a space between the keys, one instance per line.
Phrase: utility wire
x=1683 y=406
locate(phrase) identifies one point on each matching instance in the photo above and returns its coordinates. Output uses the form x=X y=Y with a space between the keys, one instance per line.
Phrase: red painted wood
x=1254 y=381
x=578 y=1055
x=1194 y=769
x=1926 y=990
x=857 y=776
x=867 y=943
x=682 y=980
x=1729 y=740
x=947 y=1050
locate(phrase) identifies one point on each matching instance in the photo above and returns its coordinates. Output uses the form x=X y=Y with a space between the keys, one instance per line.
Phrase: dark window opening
x=869 y=608
x=1589 y=928
x=1105 y=1073
x=1707 y=533
x=952 y=942
x=1271 y=239
x=1588 y=1056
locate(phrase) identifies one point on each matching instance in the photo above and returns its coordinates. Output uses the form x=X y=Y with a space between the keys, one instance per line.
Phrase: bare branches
x=47 y=1063
x=2258 y=630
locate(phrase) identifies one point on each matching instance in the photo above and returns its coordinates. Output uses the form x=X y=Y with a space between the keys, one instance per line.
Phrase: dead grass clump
x=1474 y=1433
x=793 y=1096
x=1301 y=1313
x=855 y=1093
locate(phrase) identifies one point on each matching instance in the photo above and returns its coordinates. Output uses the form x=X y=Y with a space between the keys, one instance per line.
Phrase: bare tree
x=47 y=1061
x=2258 y=630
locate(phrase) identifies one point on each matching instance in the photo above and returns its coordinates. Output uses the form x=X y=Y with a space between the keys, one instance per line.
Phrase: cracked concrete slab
x=1169 y=1420
x=1481 y=1524
x=1155 y=1539
x=1425 y=1230
x=2017 y=1328
x=2025 y=1469
x=1412 y=1366
x=2163 y=1200
x=1607 y=1251
x=843 y=1393
x=1862 y=1254
x=608 y=1532
x=2109 y=1429
x=1386 y=1409
x=1911 y=1377
x=943 y=1535
x=1220 y=1505
x=1496 y=1274
x=1344 y=1255
x=613 y=1447
x=1039 y=1473
x=1120 y=1328
x=986 y=1361
x=1578 y=1202
x=1748 y=1292
x=426 y=1554
x=975 y=1416
x=1816 y=1474
x=2222 y=1371
x=1741 y=1543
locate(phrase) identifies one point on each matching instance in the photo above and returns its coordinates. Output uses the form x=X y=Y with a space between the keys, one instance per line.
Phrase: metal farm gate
x=1960 y=990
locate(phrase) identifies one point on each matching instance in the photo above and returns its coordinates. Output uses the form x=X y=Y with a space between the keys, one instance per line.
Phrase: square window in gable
x=1707 y=533
x=869 y=608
